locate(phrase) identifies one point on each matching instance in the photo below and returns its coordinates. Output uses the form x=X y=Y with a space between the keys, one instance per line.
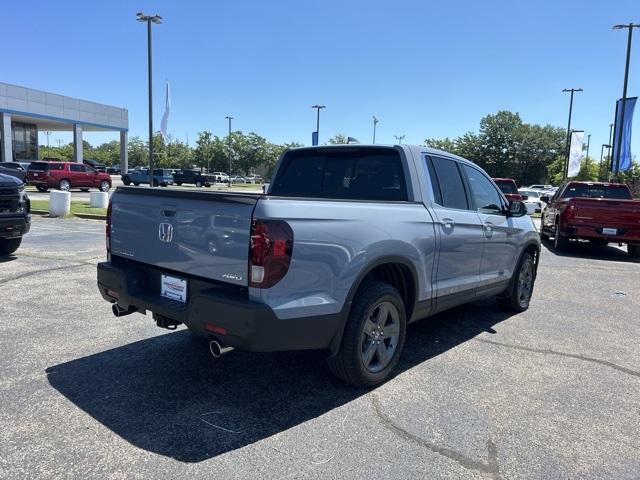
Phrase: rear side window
x=354 y=173
x=448 y=184
x=56 y=166
x=77 y=168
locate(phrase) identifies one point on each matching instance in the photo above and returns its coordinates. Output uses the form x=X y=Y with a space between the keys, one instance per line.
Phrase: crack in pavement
x=546 y=351
x=491 y=467
x=4 y=281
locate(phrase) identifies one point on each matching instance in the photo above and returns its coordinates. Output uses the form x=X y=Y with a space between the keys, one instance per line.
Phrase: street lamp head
x=156 y=19
x=375 y=120
x=572 y=90
x=620 y=26
x=319 y=106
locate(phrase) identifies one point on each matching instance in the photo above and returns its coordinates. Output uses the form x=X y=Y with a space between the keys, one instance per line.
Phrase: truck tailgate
x=607 y=212
x=204 y=234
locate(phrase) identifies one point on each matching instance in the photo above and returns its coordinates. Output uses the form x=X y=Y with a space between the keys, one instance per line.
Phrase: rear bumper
x=14 y=226
x=624 y=235
x=247 y=325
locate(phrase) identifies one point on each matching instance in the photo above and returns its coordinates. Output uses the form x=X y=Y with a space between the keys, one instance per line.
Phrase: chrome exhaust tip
x=218 y=350
x=119 y=311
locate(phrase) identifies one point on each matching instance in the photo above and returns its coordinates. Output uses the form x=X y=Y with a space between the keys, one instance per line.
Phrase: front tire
x=105 y=186
x=137 y=184
x=9 y=245
x=373 y=337
x=199 y=184
x=518 y=295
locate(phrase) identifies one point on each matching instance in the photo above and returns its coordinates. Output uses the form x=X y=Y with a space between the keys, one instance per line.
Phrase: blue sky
x=424 y=68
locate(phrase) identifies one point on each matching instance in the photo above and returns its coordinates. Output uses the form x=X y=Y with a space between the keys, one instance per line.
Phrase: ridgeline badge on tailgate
x=165 y=232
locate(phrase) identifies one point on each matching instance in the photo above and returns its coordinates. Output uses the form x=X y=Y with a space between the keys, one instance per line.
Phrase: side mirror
x=544 y=198
x=517 y=209
x=524 y=197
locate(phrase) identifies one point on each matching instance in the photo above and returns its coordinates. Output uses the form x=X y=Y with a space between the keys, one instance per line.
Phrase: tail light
x=269 y=252
x=108 y=230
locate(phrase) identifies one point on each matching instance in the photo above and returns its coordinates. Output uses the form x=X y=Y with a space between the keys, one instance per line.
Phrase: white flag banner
x=575 y=153
x=165 y=118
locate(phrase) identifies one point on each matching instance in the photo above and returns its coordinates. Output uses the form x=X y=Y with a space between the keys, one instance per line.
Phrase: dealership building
x=24 y=112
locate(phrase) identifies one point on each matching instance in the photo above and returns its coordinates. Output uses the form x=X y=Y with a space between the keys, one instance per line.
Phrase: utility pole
x=149 y=19
x=600 y=172
x=618 y=141
x=229 y=142
x=566 y=162
x=318 y=108
x=588 y=142
x=48 y=133
x=399 y=138
x=375 y=122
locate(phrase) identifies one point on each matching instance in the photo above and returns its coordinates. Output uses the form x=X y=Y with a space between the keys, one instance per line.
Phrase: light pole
x=229 y=142
x=318 y=108
x=600 y=172
x=588 y=142
x=566 y=163
x=375 y=122
x=618 y=141
x=399 y=138
x=149 y=19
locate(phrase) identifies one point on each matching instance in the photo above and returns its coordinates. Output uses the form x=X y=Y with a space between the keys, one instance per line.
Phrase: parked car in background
x=509 y=188
x=14 y=169
x=97 y=166
x=161 y=177
x=540 y=187
x=531 y=199
x=65 y=176
x=113 y=170
x=253 y=179
x=595 y=211
x=193 y=177
x=15 y=219
x=220 y=177
x=351 y=244
x=238 y=179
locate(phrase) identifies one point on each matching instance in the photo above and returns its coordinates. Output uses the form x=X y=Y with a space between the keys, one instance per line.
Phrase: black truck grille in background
x=9 y=199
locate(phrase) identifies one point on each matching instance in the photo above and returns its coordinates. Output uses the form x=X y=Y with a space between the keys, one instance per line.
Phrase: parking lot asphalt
x=553 y=392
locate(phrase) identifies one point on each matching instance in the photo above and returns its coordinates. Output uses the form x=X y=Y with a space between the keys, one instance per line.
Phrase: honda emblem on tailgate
x=165 y=232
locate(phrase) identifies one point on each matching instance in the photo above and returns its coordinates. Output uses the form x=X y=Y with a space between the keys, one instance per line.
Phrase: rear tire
x=367 y=355
x=544 y=236
x=518 y=295
x=178 y=183
x=105 y=186
x=64 y=185
x=9 y=245
x=199 y=184
x=633 y=251
x=137 y=184
x=560 y=243
x=41 y=188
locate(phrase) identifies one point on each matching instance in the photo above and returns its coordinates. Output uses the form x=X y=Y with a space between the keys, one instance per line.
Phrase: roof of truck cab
x=415 y=149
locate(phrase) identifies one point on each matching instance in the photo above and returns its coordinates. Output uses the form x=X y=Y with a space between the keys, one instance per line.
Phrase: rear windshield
x=597 y=191
x=506 y=186
x=39 y=166
x=354 y=173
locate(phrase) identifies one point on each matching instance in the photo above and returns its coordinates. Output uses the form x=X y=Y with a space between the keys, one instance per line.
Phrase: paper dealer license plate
x=173 y=288
x=609 y=231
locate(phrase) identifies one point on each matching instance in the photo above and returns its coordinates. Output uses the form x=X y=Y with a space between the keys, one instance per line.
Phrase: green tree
x=138 y=153
x=338 y=139
x=505 y=146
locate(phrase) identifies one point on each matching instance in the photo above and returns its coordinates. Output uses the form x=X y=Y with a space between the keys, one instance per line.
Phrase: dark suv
x=15 y=220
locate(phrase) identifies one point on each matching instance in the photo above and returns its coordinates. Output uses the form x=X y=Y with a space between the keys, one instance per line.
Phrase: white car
x=533 y=203
x=540 y=187
x=220 y=177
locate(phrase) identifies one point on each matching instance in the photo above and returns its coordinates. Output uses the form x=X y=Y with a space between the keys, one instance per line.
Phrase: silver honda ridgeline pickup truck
x=349 y=245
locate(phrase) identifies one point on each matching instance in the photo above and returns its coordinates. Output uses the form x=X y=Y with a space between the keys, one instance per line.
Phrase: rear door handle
x=447 y=223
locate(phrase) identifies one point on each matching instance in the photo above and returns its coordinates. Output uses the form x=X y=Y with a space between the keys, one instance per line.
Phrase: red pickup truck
x=595 y=211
